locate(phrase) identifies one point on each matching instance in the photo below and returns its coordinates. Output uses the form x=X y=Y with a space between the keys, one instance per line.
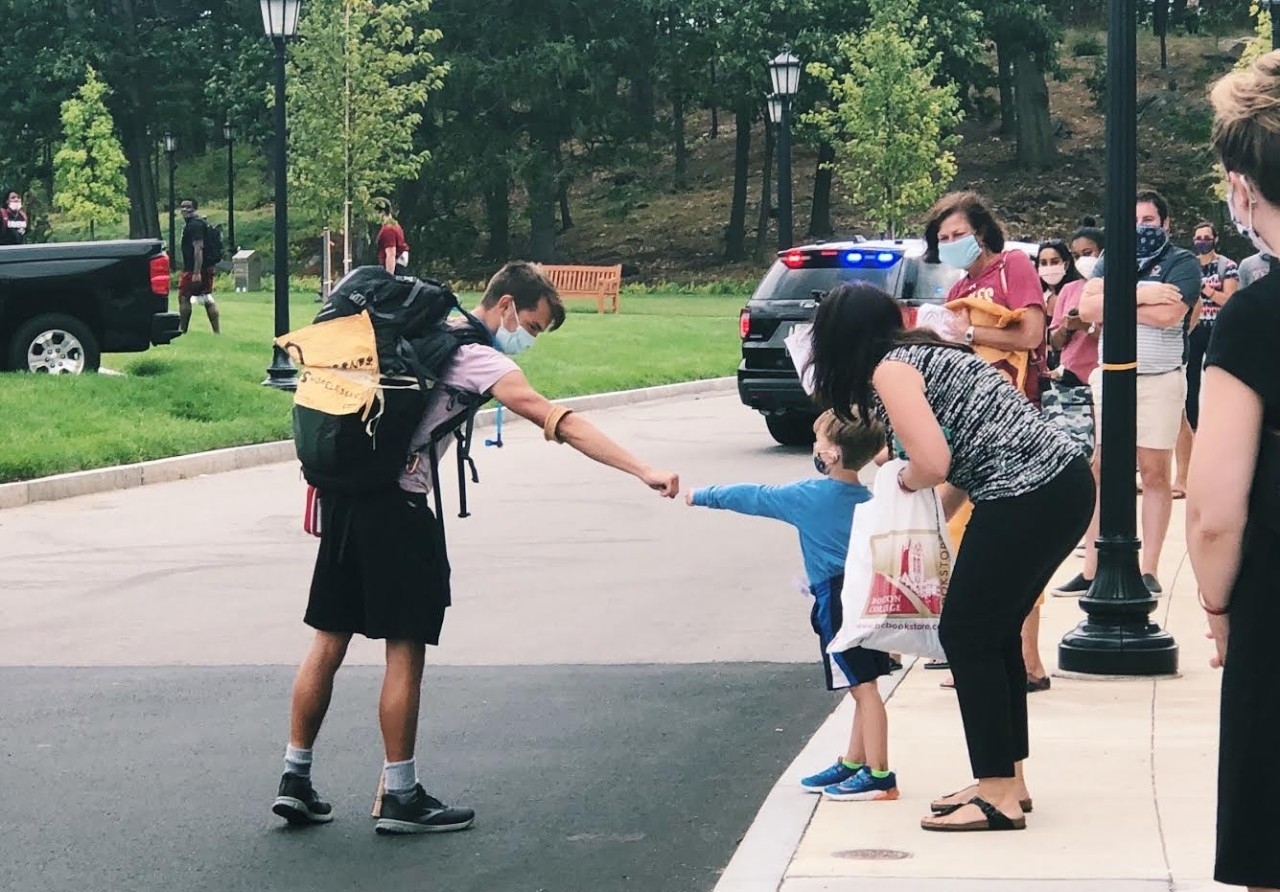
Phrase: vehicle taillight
x=160 y=275
x=744 y=323
x=793 y=259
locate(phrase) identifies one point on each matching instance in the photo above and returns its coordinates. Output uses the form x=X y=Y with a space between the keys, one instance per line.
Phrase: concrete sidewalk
x=1122 y=772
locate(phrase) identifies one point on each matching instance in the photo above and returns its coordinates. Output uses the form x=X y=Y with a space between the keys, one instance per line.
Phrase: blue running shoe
x=864 y=787
x=836 y=774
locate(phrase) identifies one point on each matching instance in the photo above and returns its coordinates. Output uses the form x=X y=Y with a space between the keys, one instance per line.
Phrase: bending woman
x=958 y=420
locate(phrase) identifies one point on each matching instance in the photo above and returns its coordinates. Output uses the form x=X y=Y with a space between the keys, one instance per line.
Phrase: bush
x=1088 y=45
x=1096 y=82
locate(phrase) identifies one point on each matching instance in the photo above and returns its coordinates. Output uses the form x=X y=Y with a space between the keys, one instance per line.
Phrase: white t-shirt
x=476 y=368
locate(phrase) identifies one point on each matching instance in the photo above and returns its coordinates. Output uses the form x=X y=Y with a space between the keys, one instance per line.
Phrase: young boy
x=821 y=509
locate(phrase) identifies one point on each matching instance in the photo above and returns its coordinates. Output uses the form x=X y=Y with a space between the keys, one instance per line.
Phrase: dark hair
x=9 y=193
x=529 y=286
x=1154 y=197
x=855 y=326
x=1205 y=224
x=1089 y=229
x=975 y=209
x=1057 y=244
x=195 y=205
x=382 y=205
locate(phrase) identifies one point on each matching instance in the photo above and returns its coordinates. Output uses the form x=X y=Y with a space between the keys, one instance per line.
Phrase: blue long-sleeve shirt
x=820 y=508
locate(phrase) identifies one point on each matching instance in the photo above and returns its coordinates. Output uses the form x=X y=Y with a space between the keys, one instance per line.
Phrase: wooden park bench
x=599 y=283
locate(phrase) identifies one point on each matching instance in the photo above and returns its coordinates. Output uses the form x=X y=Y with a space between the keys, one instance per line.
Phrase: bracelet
x=1212 y=611
x=902 y=486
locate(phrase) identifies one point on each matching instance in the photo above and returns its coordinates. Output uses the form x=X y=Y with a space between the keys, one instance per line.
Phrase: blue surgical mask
x=960 y=253
x=1151 y=240
x=513 y=343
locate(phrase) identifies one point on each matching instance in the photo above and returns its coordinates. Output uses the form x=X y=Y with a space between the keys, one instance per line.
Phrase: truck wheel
x=791 y=429
x=54 y=344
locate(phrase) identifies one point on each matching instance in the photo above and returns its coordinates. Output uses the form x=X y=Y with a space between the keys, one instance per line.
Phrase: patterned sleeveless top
x=1001 y=447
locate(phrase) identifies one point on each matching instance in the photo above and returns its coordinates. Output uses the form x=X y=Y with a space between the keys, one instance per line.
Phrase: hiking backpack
x=354 y=455
x=213 y=250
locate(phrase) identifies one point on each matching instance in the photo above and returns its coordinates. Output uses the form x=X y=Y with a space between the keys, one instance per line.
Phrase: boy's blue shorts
x=852 y=667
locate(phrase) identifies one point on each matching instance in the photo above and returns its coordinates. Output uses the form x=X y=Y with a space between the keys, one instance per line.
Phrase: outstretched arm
x=514 y=391
x=785 y=502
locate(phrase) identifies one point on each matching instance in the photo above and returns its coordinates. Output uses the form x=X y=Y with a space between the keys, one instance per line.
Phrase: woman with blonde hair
x=1233 y=493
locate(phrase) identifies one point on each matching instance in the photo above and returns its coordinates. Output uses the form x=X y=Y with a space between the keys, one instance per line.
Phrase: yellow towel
x=1012 y=364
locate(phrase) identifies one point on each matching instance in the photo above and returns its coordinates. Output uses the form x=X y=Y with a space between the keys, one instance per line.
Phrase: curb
x=238 y=458
x=761 y=860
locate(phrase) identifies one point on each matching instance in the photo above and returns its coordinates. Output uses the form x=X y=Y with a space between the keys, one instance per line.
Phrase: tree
x=1260 y=43
x=888 y=122
x=358 y=83
x=89 y=182
x=1025 y=35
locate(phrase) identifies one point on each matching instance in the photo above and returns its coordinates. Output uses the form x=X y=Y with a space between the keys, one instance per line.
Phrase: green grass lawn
x=204 y=392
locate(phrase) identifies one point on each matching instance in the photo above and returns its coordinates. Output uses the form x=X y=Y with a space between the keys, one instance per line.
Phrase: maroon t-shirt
x=1010 y=281
x=391 y=236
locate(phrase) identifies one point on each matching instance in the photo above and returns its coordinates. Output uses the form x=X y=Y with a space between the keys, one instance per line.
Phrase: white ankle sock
x=297 y=761
x=399 y=778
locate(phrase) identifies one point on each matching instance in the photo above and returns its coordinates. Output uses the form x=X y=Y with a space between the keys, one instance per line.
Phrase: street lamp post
x=773 y=103
x=170 y=146
x=1275 y=24
x=1117 y=637
x=784 y=71
x=229 y=133
x=280 y=21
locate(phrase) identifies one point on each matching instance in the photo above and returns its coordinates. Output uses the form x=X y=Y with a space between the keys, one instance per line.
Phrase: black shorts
x=381 y=571
x=848 y=668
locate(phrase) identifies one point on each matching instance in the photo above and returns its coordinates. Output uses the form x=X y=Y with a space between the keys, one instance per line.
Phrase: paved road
x=621 y=681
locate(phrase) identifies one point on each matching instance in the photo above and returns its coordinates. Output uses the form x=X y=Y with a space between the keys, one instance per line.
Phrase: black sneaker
x=299 y=803
x=1077 y=587
x=1152 y=584
x=421 y=814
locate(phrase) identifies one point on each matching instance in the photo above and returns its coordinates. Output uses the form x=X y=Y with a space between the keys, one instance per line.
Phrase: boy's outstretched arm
x=514 y=391
x=786 y=502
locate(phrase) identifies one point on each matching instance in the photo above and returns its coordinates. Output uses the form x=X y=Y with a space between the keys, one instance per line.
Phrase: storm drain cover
x=873 y=855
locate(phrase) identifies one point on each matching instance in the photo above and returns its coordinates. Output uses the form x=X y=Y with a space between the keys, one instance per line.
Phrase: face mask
x=960 y=253
x=1204 y=246
x=1053 y=274
x=1085 y=265
x=822 y=465
x=1246 y=229
x=513 y=343
x=1151 y=240
x=15 y=205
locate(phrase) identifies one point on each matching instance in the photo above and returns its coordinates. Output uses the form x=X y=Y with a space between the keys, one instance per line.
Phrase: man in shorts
x=1168 y=289
x=196 y=281
x=382 y=571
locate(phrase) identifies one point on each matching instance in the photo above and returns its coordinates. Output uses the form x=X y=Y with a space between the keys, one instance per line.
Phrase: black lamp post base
x=281 y=374
x=1111 y=649
x=1118 y=637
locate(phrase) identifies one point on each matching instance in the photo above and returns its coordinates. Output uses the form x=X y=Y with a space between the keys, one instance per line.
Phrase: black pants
x=1009 y=552
x=1197 y=344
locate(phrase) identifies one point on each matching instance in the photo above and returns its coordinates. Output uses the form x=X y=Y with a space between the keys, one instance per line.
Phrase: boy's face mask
x=824 y=464
x=513 y=343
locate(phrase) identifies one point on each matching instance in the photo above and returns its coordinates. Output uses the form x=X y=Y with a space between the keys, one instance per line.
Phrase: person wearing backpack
x=381 y=570
x=198 y=261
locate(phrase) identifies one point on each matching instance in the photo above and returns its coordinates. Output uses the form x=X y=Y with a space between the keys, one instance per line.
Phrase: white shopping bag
x=800 y=347
x=896 y=574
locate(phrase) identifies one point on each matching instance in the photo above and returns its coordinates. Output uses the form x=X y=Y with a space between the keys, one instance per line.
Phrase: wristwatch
x=968 y=336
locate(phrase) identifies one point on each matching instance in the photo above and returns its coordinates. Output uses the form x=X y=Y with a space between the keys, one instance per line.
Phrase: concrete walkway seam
x=761 y=860
x=237 y=458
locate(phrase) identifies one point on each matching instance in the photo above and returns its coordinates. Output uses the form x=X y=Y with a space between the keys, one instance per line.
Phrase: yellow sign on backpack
x=340 y=365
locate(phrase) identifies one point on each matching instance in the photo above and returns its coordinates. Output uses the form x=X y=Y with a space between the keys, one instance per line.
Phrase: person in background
x=196 y=282
x=393 y=249
x=1255 y=266
x=963 y=232
x=1057 y=269
x=13 y=220
x=1219 y=279
x=1087 y=244
x=1232 y=488
x=821 y=509
x=1168 y=289
x=959 y=422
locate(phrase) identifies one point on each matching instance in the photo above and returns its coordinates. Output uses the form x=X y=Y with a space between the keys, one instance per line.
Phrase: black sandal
x=941 y=810
x=993 y=819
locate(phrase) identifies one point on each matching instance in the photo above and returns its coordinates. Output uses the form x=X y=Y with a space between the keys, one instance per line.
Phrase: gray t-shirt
x=1162 y=350
x=1255 y=266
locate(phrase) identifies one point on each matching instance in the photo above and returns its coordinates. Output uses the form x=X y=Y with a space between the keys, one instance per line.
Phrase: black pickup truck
x=62 y=305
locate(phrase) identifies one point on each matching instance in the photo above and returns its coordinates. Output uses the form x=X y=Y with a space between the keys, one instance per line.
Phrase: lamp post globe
x=784 y=71
x=280 y=22
x=774 y=104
